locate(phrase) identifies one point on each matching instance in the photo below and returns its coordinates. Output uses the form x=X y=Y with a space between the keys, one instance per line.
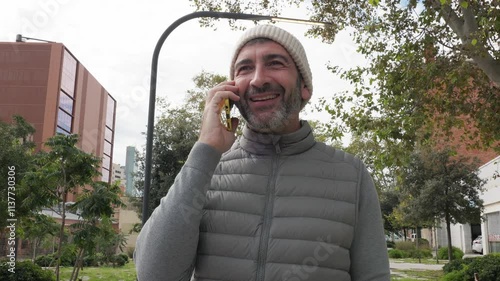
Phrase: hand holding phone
x=227 y=114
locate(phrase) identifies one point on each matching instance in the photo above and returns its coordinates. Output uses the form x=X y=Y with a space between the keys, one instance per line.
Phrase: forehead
x=259 y=49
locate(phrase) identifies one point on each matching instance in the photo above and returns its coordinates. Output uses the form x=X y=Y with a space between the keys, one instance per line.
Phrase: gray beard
x=280 y=117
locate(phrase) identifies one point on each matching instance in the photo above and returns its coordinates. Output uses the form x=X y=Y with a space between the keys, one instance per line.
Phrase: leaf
x=474 y=42
x=442 y=2
x=464 y=4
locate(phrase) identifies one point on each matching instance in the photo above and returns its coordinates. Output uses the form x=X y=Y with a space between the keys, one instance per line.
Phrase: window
x=110 y=112
x=106 y=161
x=107 y=148
x=105 y=175
x=65 y=102
x=68 y=75
x=108 y=134
x=64 y=121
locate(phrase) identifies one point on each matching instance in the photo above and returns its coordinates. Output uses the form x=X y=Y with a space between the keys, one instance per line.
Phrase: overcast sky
x=115 y=40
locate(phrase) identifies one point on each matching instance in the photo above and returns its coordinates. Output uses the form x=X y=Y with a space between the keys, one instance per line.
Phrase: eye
x=275 y=63
x=243 y=69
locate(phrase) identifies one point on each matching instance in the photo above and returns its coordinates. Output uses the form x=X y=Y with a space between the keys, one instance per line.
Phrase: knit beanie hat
x=285 y=39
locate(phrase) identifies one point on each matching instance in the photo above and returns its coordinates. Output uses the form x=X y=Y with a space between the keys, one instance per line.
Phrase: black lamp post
x=154 y=74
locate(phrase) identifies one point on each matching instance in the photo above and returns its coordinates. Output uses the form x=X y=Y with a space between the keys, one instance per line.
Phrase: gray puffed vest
x=279 y=208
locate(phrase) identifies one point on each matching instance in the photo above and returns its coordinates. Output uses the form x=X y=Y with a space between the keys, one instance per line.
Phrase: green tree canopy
x=443 y=187
x=16 y=150
x=433 y=65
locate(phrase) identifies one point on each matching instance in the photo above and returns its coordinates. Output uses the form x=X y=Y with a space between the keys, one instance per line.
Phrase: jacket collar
x=289 y=144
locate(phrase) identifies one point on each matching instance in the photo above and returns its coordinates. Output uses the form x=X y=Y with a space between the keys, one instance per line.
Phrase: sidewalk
x=419 y=266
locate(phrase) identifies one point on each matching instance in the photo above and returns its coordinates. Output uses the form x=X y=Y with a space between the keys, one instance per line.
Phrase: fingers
x=223 y=90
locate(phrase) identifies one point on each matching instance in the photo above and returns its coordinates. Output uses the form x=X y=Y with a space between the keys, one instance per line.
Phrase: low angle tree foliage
x=431 y=64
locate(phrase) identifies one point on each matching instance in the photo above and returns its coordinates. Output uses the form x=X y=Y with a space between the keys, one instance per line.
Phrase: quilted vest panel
x=310 y=200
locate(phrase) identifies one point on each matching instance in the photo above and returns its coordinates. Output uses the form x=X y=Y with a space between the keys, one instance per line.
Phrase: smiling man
x=273 y=204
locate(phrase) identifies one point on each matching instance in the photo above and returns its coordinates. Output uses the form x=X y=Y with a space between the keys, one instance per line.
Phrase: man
x=274 y=204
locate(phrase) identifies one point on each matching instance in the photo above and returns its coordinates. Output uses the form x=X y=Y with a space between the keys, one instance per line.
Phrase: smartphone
x=227 y=113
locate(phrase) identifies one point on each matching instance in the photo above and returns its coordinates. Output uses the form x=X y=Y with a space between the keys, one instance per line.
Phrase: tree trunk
x=448 y=233
x=417 y=245
x=61 y=235
x=76 y=267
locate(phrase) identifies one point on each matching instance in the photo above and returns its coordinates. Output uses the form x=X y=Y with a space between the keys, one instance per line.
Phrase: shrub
x=397 y=254
x=405 y=245
x=45 y=260
x=456 y=265
x=422 y=253
x=423 y=243
x=456 y=253
x=25 y=271
x=90 y=261
x=68 y=255
x=119 y=260
x=487 y=268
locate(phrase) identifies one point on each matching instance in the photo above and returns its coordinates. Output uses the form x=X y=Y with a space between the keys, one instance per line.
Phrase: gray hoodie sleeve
x=369 y=259
x=166 y=246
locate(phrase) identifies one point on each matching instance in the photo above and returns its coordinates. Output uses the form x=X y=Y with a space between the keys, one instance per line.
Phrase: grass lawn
x=125 y=273
x=416 y=275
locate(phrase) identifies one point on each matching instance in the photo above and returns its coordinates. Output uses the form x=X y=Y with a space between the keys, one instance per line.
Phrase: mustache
x=268 y=87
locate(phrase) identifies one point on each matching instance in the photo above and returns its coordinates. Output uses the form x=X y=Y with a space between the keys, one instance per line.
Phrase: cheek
x=242 y=85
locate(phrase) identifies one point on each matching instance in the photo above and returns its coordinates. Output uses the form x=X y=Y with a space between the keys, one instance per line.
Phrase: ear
x=304 y=92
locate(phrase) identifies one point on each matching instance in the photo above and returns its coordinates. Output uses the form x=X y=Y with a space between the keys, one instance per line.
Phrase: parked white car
x=477 y=245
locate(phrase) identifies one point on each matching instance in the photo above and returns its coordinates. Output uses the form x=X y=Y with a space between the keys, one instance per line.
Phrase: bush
x=68 y=255
x=25 y=271
x=45 y=260
x=119 y=260
x=397 y=254
x=90 y=261
x=422 y=253
x=456 y=253
x=456 y=265
x=423 y=243
x=405 y=245
x=487 y=268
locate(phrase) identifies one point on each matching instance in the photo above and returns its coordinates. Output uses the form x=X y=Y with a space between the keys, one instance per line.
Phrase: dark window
x=64 y=120
x=61 y=131
x=65 y=102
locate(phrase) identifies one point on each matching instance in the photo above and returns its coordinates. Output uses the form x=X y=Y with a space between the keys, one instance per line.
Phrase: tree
x=16 y=149
x=440 y=186
x=96 y=208
x=432 y=64
x=36 y=228
x=56 y=173
x=176 y=131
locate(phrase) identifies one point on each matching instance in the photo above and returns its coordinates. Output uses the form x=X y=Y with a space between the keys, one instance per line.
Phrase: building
x=130 y=169
x=47 y=85
x=118 y=174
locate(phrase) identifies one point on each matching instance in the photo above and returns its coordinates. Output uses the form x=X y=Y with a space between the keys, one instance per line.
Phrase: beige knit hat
x=285 y=39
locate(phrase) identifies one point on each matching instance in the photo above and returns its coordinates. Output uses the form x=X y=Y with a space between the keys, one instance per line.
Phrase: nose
x=260 y=77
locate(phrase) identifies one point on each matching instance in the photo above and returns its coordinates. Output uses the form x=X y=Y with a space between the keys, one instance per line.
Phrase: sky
x=115 y=40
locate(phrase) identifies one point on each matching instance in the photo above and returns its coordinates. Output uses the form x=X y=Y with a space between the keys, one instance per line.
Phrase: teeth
x=264 y=98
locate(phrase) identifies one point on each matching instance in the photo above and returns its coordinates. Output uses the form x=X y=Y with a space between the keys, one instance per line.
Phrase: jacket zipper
x=268 y=214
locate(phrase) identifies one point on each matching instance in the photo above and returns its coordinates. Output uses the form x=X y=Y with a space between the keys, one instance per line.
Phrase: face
x=270 y=88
